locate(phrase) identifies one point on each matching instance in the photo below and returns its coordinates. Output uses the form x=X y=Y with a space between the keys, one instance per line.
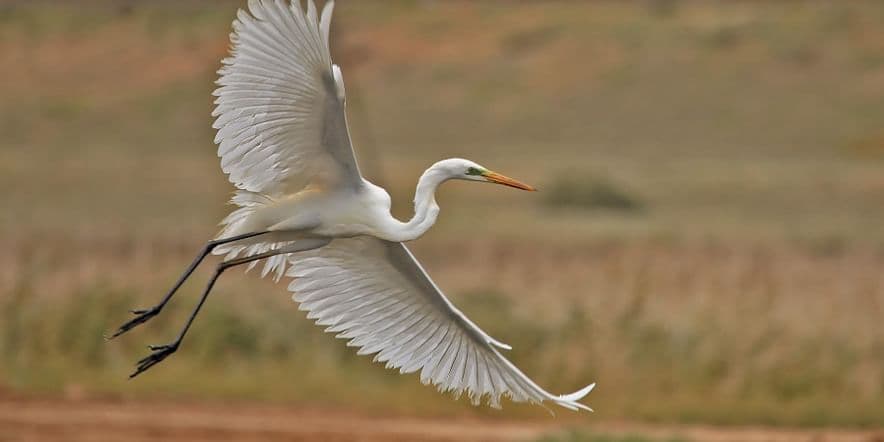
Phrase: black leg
x=143 y=315
x=160 y=352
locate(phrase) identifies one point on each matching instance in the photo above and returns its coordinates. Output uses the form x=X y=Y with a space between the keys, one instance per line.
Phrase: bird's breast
x=349 y=216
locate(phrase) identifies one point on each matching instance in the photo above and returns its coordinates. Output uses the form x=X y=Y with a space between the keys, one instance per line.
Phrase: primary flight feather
x=305 y=209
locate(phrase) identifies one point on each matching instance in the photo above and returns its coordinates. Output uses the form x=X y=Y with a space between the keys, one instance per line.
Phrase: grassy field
x=706 y=244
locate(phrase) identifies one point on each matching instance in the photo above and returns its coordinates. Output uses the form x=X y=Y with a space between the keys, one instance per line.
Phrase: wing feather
x=375 y=294
x=279 y=107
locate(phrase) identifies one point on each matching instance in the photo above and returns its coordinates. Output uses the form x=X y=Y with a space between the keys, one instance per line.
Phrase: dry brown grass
x=773 y=333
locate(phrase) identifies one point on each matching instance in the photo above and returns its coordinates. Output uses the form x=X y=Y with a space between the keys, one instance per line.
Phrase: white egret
x=304 y=207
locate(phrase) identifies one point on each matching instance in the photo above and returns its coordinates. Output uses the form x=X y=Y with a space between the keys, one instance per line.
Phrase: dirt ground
x=28 y=419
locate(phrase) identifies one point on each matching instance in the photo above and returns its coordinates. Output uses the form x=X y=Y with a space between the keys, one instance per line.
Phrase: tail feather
x=235 y=224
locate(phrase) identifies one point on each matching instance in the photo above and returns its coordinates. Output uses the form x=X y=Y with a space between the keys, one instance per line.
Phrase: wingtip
x=579 y=394
x=503 y=346
x=499 y=344
x=570 y=400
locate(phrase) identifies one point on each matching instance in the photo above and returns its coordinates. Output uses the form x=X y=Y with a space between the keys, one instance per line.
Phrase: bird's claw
x=160 y=352
x=142 y=316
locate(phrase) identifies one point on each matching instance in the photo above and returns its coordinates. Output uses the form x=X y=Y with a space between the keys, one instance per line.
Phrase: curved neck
x=425 y=208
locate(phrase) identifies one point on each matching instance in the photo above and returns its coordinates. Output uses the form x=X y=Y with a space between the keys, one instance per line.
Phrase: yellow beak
x=495 y=177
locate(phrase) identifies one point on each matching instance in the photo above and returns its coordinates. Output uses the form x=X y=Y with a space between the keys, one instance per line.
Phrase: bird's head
x=460 y=169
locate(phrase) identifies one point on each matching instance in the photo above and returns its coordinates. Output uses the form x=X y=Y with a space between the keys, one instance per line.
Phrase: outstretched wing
x=280 y=105
x=375 y=294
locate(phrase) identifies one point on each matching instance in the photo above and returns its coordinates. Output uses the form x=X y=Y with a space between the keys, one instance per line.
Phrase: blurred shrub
x=723 y=37
x=584 y=436
x=529 y=40
x=871 y=146
x=576 y=190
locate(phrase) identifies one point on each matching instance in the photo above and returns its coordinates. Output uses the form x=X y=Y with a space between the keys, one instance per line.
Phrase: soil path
x=107 y=420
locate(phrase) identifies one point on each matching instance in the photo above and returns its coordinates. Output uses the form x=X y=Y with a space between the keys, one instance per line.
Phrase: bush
x=587 y=192
x=584 y=436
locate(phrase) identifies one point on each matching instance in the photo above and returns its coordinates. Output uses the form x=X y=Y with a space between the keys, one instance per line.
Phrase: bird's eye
x=473 y=171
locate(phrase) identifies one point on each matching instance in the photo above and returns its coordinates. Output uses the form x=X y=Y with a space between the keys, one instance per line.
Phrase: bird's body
x=324 y=212
x=341 y=212
x=304 y=208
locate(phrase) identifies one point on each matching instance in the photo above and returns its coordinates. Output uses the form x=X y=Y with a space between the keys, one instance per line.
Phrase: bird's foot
x=141 y=316
x=160 y=352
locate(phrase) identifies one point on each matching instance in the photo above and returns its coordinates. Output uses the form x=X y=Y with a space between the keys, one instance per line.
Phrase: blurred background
x=706 y=244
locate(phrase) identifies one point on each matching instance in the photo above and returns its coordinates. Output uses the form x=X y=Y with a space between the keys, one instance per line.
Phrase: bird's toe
x=159 y=353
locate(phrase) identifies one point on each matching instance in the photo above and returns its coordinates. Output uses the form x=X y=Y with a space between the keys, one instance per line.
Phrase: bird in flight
x=304 y=208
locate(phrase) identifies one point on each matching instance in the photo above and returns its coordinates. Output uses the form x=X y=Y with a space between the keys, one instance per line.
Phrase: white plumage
x=279 y=112
x=375 y=294
x=305 y=208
